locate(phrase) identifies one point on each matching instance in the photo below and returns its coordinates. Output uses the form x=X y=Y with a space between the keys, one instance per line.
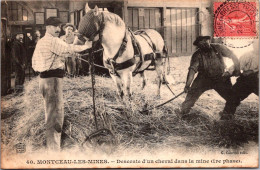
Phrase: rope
x=147 y=110
x=93 y=63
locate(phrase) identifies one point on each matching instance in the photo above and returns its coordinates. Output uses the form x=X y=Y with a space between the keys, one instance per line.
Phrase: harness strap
x=112 y=62
x=120 y=66
x=99 y=31
x=102 y=26
x=122 y=47
x=142 y=33
x=136 y=44
x=137 y=52
x=125 y=64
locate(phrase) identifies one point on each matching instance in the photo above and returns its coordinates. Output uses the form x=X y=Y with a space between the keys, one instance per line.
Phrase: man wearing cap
x=71 y=62
x=48 y=59
x=208 y=62
x=19 y=56
x=246 y=83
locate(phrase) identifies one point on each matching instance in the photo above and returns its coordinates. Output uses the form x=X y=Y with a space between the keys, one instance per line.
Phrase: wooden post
x=125 y=13
x=164 y=22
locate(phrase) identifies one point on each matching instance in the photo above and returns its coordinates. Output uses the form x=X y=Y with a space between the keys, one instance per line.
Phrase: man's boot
x=226 y=116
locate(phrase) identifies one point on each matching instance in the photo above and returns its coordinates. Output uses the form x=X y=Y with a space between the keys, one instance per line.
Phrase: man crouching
x=246 y=83
x=208 y=62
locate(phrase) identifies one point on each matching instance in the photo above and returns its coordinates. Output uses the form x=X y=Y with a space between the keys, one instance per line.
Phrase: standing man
x=19 y=56
x=30 y=49
x=37 y=35
x=246 y=83
x=71 y=62
x=208 y=62
x=48 y=59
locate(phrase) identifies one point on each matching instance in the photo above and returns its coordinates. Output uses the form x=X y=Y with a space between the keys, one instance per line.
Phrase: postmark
x=235 y=19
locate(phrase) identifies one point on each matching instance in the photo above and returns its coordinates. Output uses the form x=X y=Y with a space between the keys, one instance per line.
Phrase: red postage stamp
x=235 y=19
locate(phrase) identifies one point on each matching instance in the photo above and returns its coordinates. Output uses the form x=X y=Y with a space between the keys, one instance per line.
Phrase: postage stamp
x=235 y=19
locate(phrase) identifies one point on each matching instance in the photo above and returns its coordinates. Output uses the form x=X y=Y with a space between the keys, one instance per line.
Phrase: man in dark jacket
x=208 y=62
x=19 y=57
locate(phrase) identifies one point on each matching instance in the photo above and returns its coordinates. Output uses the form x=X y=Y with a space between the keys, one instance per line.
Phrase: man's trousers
x=200 y=85
x=19 y=77
x=244 y=86
x=51 y=89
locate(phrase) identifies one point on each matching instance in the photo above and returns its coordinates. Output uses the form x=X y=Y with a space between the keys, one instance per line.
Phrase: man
x=19 y=56
x=246 y=84
x=208 y=62
x=72 y=63
x=37 y=35
x=30 y=49
x=48 y=59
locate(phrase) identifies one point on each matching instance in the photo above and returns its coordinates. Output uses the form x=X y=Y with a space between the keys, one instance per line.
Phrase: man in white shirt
x=48 y=59
x=247 y=82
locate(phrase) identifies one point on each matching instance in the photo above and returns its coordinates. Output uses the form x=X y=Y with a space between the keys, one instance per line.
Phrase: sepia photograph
x=129 y=84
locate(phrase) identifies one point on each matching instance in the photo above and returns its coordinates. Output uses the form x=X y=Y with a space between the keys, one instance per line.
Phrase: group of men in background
x=22 y=54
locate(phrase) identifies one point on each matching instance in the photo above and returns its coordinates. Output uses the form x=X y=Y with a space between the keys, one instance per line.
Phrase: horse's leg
x=159 y=71
x=144 y=79
x=164 y=80
x=127 y=80
x=118 y=83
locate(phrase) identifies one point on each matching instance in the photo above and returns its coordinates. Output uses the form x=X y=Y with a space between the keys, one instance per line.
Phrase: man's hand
x=88 y=43
x=186 y=89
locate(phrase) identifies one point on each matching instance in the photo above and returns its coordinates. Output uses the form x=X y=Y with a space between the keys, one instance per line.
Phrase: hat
x=54 y=21
x=200 y=38
x=16 y=33
x=68 y=25
x=19 y=32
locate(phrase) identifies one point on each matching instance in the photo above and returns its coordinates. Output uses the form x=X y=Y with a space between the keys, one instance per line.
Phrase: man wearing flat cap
x=208 y=62
x=71 y=62
x=48 y=59
x=19 y=56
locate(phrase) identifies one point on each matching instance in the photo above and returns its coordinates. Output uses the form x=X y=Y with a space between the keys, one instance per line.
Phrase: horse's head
x=90 y=24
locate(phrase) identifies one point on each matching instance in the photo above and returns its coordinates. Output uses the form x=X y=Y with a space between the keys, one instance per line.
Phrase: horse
x=118 y=49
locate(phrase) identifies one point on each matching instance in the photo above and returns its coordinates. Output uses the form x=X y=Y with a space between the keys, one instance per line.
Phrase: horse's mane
x=111 y=17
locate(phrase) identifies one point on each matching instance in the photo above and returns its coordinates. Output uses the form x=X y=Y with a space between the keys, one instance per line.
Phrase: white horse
x=118 y=53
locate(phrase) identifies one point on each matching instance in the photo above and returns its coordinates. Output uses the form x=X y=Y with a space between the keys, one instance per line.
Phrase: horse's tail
x=165 y=51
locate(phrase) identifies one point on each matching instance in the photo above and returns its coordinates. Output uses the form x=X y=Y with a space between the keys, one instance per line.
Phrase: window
x=17 y=12
x=51 y=12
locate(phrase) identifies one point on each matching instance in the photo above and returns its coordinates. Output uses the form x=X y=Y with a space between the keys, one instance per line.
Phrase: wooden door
x=182 y=28
x=143 y=18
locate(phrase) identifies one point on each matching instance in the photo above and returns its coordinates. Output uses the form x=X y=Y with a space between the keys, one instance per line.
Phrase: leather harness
x=113 y=65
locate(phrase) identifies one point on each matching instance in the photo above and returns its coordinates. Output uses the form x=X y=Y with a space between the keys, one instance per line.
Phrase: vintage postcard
x=129 y=84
